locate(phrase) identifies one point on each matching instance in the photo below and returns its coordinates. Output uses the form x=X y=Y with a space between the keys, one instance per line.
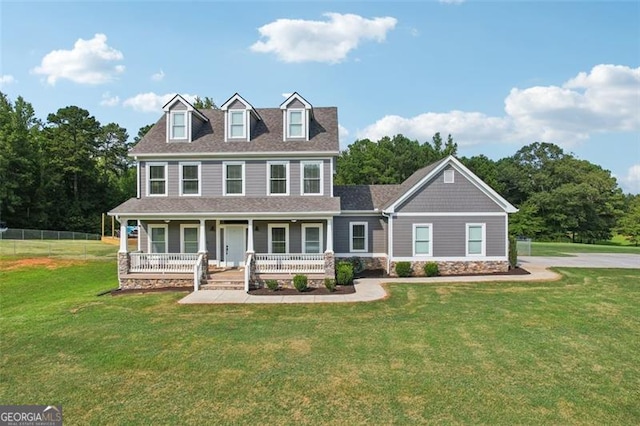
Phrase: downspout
x=389 y=239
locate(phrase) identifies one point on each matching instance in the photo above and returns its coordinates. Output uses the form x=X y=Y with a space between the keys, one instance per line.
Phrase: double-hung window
x=312 y=237
x=422 y=239
x=190 y=179
x=358 y=236
x=156 y=179
x=233 y=178
x=178 y=125
x=278 y=238
x=189 y=238
x=237 y=128
x=311 y=177
x=476 y=239
x=295 y=120
x=158 y=238
x=278 y=178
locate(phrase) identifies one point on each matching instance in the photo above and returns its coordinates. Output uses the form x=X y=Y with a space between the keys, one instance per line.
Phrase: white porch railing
x=163 y=262
x=197 y=272
x=290 y=263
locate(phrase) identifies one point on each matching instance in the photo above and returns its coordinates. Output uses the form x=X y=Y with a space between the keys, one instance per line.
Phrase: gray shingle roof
x=227 y=205
x=364 y=197
x=266 y=135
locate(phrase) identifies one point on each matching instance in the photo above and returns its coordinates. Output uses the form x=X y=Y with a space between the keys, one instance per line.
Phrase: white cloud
x=6 y=80
x=89 y=62
x=287 y=94
x=602 y=100
x=342 y=132
x=108 y=100
x=298 y=40
x=631 y=182
x=151 y=102
x=159 y=76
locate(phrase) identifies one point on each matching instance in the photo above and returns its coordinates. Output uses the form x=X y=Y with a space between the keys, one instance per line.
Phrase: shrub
x=403 y=269
x=330 y=284
x=431 y=269
x=300 y=282
x=344 y=273
x=272 y=284
x=513 y=252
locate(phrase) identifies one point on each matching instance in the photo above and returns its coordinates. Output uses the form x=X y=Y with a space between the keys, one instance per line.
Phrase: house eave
x=255 y=154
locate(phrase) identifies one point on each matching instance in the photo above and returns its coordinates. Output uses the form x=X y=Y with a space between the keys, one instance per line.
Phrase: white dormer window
x=237 y=128
x=179 y=125
x=295 y=120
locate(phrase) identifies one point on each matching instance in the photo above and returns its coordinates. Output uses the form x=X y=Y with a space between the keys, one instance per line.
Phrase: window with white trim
x=178 y=125
x=233 y=178
x=295 y=123
x=190 y=179
x=278 y=238
x=312 y=238
x=278 y=178
x=449 y=176
x=476 y=239
x=158 y=238
x=237 y=128
x=189 y=238
x=358 y=236
x=422 y=239
x=311 y=176
x=156 y=179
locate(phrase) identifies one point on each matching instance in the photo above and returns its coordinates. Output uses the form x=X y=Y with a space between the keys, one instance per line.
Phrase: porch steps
x=223 y=285
x=224 y=279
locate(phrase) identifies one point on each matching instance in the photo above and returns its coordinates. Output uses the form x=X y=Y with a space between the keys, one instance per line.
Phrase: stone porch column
x=329 y=264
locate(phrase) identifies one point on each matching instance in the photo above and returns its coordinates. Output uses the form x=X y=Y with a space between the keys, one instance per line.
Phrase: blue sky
x=495 y=75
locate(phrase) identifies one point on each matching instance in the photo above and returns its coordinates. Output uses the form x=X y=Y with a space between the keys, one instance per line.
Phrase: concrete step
x=223 y=285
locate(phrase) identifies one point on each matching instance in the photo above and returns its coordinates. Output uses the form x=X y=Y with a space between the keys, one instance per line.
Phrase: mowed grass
x=68 y=249
x=564 y=352
x=566 y=249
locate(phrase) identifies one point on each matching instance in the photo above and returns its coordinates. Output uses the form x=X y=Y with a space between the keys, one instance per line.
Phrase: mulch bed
x=340 y=289
x=514 y=271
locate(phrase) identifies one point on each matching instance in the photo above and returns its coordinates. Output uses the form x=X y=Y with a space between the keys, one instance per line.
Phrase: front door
x=234 y=240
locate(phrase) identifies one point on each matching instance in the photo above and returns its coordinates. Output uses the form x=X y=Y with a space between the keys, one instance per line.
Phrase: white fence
x=290 y=263
x=163 y=262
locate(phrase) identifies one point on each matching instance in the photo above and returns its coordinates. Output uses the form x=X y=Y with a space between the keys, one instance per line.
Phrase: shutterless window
x=475 y=240
x=158 y=239
x=178 y=125
x=422 y=242
x=358 y=237
x=190 y=179
x=157 y=180
x=236 y=124
x=278 y=240
x=296 y=124
x=277 y=179
x=312 y=239
x=234 y=179
x=190 y=239
x=311 y=178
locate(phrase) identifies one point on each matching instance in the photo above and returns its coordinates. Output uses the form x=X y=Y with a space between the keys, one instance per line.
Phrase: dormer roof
x=296 y=96
x=236 y=97
x=178 y=98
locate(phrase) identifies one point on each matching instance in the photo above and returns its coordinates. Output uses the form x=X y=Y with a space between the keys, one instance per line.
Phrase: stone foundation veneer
x=130 y=283
x=124 y=262
x=369 y=263
x=456 y=267
x=329 y=264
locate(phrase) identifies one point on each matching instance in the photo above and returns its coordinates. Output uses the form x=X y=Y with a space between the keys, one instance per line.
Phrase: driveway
x=585 y=260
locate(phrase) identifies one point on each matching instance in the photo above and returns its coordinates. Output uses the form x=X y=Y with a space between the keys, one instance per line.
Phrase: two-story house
x=252 y=188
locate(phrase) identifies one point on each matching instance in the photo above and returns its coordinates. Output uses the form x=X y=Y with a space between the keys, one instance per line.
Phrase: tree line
x=64 y=172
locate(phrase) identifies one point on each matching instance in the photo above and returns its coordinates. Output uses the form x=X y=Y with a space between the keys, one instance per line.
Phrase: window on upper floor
x=312 y=238
x=422 y=239
x=278 y=177
x=178 y=125
x=237 y=127
x=233 y=178
x=476 y=239
x=295 y=123
x=156 y=179
x=358 y=236
x=311 y=176
x=190 y=179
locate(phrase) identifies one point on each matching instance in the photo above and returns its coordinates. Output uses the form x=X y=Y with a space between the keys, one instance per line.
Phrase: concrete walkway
x=585 y=260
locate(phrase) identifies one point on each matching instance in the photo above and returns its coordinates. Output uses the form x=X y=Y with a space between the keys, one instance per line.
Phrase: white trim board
x=451 y=259
x=446 y=214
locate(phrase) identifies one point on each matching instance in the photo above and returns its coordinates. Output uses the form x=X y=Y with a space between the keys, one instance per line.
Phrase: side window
x=422 y=239
x=476 y=239
x=358 y=237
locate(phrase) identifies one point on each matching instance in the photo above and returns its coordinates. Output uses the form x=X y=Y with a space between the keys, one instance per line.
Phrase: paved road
x=585 y=260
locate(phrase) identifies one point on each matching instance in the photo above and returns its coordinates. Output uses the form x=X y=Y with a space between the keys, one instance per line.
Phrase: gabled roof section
x=191 y=108
x=365 y=198
x=424 y=175
x=236 y=97
x=296 y=96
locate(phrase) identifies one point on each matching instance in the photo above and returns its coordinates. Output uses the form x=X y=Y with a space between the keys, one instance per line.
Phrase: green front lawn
x=566 y=249
x=497 y=353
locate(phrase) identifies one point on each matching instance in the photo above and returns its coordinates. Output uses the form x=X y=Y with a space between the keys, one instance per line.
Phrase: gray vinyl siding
x=255 y=173
x=178 y=106
x=377 y=233
x=237 y=104
x=261 y=235
x=173 y=184
x=439 y=197
x=211 y=178
x=295 y=104
x=174 y=235
x=448 y=234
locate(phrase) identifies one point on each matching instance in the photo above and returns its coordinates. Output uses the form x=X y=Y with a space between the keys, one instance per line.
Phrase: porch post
x=329 y=236
x=218 y=257
x=123 y=235
x=250 y=237
x=202 y=244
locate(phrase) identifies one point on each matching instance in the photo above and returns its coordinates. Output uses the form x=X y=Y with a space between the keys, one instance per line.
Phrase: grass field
x=69 y=249
x=564 y=352
x=566 y=249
